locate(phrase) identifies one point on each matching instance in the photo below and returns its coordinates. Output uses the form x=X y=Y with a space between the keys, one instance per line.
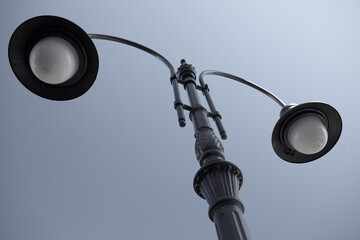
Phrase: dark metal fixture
x=303 y=133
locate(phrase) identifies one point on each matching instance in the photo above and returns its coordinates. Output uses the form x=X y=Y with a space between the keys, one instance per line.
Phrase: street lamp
x=53 y=58
x=57 y=60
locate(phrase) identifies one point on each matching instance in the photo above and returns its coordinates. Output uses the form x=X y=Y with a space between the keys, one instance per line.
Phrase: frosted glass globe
x=308 y=135
x=54 y=60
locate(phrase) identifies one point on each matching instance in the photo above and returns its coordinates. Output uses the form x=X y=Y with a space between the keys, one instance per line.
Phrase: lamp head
x=306 y=132
x=53 y=57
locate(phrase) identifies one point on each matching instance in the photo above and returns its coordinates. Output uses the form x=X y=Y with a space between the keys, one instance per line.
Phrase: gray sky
x=113 y=164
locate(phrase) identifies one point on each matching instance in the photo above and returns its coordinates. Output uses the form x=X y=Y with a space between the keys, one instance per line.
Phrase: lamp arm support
x=241 y=80
x=178 y=105
x=135 y=45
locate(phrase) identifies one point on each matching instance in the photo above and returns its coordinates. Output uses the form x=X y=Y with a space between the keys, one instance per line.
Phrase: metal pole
x=218 y=181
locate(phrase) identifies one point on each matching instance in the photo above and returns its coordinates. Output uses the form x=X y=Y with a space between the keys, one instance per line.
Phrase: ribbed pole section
x=217 y=181
x=230 y=224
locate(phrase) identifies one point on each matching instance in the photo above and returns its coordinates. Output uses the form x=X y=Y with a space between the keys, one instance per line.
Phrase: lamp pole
x=303 y=133
x=218 y=181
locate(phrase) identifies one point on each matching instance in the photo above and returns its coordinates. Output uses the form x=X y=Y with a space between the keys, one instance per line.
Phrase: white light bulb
x=308 y=135
x=54 y=60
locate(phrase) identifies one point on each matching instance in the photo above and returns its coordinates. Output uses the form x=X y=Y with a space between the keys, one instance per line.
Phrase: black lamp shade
x=31 y=32
x=328 y=115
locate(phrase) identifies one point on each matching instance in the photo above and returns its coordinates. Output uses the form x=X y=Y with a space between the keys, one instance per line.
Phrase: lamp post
x=57 y=60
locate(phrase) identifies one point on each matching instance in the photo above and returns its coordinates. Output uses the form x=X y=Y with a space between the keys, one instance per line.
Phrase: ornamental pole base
x=219 y=183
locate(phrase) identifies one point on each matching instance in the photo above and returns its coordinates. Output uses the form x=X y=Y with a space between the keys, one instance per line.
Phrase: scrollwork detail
x=207 y=143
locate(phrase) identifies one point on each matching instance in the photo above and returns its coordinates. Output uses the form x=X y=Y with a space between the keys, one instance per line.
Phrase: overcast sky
x=113 y=164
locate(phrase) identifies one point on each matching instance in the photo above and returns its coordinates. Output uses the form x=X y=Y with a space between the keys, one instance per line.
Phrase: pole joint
x=208 y=181
x=223 y=202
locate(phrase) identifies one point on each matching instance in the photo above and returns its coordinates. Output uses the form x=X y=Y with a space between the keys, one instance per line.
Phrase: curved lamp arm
x=241 y=80
x=178 y=105
x=136 y=45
